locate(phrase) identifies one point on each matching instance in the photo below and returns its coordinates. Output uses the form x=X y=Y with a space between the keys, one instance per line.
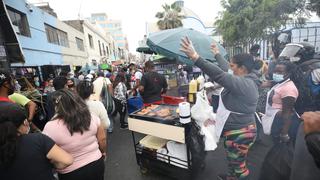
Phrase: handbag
x=107 y=99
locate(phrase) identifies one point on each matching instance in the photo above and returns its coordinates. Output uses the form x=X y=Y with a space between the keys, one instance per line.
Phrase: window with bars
x=19 y=21
x=80 y=44
x=56 y=36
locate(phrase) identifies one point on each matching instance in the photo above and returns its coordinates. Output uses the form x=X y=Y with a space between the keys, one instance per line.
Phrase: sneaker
x=124 y=127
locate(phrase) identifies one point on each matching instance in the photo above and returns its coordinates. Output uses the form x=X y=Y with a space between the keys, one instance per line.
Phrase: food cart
x=166 y=66
x=160 y=123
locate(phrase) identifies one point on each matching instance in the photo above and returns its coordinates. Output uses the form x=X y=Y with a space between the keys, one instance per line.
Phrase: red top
x=5 y=99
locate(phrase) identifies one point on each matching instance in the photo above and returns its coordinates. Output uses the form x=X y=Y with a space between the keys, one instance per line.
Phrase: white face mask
x=294 y=59
x=277 y=77
x=230 y=71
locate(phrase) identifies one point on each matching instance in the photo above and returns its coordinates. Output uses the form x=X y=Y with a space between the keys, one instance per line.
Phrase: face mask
x=294 y=59
x=278 y=77
x=230 y=71
x=37 y=83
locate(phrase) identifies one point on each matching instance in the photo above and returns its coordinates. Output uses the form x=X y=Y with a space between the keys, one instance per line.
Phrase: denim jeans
x=110 y=129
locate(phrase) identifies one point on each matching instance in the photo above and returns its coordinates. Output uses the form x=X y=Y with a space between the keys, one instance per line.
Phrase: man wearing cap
x=7 y=94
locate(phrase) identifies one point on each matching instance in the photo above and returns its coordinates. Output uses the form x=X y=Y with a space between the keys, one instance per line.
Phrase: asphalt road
x=121 y=163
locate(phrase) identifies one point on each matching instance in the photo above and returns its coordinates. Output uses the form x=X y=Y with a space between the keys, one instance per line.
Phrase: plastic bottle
x=193 y=86
x=201 y=81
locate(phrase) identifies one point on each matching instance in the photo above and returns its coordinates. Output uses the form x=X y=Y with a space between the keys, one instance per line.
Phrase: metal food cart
x=149 y=159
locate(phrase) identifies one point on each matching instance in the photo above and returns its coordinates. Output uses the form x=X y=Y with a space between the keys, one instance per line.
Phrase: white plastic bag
x=202 y=113
x=201 y=110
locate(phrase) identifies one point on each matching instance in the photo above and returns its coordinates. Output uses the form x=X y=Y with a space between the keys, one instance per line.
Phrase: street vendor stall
x=165 y=148
x=166 y=66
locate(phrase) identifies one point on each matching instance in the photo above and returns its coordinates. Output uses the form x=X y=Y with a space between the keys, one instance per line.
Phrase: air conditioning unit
x=16 y=29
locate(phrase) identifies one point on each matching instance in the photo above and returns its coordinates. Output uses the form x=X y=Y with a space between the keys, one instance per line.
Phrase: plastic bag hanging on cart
x=203 y=114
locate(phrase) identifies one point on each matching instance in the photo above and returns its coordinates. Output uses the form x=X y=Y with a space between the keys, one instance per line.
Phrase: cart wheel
x=143 y=170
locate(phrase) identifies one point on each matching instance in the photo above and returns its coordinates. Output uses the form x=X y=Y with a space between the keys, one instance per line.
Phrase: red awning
x=116 y=63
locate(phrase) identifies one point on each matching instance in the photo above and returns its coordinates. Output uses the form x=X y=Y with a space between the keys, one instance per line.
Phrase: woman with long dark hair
x=85 y=89
x=120 y=98
x=79 y=133
x=23 y=155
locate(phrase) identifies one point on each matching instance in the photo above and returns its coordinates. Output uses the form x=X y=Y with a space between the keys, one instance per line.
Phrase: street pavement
x=121 y=162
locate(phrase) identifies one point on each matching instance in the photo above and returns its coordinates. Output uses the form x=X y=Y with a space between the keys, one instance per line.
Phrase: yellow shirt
x=19 y=99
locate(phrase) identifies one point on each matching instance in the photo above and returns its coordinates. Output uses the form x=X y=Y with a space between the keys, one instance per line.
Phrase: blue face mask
x=230 y=71
x=37 y=83
x=277 y=77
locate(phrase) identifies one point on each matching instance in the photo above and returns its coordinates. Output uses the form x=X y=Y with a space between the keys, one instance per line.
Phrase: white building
x=100 y=48
x=75 y=54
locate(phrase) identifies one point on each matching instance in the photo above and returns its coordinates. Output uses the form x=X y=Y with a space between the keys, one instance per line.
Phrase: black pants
x=121 y=108
x=278 y=124
x=93 y=170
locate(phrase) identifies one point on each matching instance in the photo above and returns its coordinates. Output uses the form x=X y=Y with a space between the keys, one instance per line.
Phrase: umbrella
x=105 y=66
x=167 y=43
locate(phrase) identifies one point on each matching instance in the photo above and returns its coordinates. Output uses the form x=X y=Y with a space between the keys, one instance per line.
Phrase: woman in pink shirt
x=79 y=133
x=280 y=104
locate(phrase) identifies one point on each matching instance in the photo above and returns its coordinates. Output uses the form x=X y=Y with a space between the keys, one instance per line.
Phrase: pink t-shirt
x=288 y=89
x=83 y=147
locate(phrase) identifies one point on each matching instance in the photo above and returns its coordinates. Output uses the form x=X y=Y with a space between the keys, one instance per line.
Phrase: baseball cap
x=4 y=76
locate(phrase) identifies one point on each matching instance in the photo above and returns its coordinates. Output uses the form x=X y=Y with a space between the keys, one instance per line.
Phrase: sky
x=133 y=13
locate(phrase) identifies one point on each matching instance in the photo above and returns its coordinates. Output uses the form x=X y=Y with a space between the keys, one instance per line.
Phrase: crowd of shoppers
x=81 y=110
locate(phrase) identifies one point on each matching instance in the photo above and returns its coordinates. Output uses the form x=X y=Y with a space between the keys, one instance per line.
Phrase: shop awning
x=145 y=50
x=116 y=63
x=8 y=38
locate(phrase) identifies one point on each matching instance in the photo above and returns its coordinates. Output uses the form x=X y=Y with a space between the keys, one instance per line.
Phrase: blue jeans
x=110 y=129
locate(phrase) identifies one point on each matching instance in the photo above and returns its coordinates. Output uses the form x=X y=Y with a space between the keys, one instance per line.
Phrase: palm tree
x=170 y=18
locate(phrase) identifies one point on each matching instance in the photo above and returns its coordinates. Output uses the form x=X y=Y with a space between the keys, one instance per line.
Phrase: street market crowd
x=279 y=97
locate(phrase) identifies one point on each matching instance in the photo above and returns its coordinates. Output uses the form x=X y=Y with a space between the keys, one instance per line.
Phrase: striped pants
x=237 y=144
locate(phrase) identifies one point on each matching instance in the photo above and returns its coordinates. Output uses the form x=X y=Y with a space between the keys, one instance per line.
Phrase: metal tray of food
x=166 y=114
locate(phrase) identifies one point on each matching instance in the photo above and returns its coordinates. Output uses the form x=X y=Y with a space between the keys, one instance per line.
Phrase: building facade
x=44 y=39
x=113 y=28
x=10 y=50
x=100 y=47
